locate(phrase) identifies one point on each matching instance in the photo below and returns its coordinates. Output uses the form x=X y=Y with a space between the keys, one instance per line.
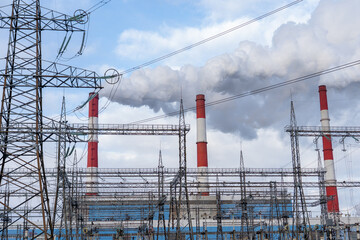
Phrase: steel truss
x=315 y=131
x=139 y=190
x=77 y=132
x=301 y=222
x=179 y=194
x=23 y=78
x=342 y=132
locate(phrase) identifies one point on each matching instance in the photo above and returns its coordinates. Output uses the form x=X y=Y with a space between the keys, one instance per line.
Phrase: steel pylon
x=301 y=222
x=23 y=79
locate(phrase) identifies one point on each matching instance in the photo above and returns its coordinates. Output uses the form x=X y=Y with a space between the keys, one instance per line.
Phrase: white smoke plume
x=328 y=39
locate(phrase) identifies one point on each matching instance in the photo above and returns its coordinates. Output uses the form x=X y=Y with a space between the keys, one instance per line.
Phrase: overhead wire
x=270 y=87
x=97 y=6
x=78 y=108
x=335 y=146
x=211 y=38
x=259 y=90
x=84 y=14
x=113 y=90
x=80 y=51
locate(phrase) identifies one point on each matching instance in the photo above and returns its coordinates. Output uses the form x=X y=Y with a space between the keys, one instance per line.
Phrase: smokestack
x=92 y=161
x=330 y=179
x=202 y=161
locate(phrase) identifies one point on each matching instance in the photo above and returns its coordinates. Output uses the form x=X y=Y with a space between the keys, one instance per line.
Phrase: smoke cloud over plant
x=328 y=39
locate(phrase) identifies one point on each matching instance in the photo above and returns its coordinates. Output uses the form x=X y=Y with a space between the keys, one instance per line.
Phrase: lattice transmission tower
x=161 y=200
x=179 y=195
x=23 y=79
x=301 y=221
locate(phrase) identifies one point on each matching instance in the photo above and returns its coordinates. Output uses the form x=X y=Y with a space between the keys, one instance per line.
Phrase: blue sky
x=308 y=37
x=121 y=26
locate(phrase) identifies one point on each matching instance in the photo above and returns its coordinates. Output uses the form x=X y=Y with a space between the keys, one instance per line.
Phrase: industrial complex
x=37 y=202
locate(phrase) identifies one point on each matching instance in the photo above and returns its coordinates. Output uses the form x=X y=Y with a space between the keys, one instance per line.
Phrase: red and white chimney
x=202 y=161
x=330 y=179
x=92 y=161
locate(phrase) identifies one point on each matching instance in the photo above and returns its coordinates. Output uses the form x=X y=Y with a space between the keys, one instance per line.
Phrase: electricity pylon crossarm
x=23 y=79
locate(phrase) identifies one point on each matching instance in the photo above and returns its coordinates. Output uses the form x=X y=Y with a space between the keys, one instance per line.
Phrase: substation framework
x=151 y=189
x=41 y=203
x=145 y=192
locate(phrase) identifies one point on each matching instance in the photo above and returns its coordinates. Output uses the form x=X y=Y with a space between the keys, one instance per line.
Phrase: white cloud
x=297 y=49
x=146 y=45
x=267 y=56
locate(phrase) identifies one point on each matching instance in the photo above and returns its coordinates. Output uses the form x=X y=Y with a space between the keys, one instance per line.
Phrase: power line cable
x=97 y=6
x=113 y=90
x=211 y=38
x=80 y=15
x=259 y=90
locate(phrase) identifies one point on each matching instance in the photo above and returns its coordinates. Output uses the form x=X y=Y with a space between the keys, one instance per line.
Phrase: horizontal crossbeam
x=317 y=131
x=57 y=75
x=78 y=131
x=65 y=76
x=153 y=172
x=50 y=20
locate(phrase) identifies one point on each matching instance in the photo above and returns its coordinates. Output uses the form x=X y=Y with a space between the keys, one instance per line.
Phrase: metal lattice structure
x=23 y=79
x=243 y=201
x=301 y=221
x=134 y=192
x=322 y=191
x=77 y=132
x=182 y=197
x=62 y=208
x=161 y=199
x=24 y=179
